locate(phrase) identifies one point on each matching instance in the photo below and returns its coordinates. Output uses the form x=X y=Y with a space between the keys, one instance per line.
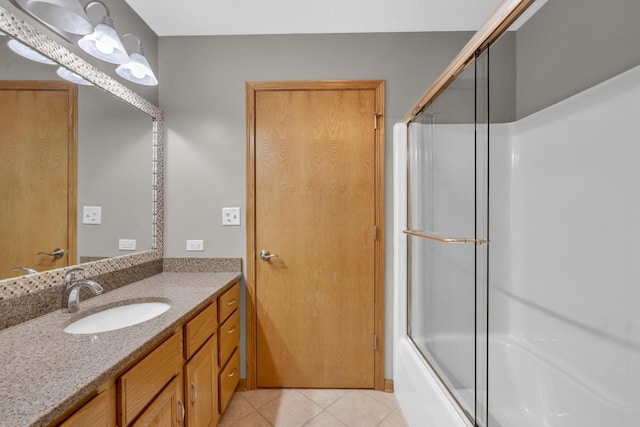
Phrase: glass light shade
x=64 y=15
x=104 y=43
x=72 y=77
x=26 y=52
x=138 y=70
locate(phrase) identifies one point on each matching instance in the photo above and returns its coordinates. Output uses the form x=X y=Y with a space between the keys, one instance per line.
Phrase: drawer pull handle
x=194 y=392
x=232 y=373
x=232 y=330
x=182 y=411
x=232 y=302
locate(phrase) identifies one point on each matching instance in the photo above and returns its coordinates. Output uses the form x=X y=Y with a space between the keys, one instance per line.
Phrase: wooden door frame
x=71 y=251
x=252 y=87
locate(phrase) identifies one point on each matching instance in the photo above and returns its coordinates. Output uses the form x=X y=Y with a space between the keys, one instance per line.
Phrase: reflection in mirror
x=114 y=173
x=114 y=163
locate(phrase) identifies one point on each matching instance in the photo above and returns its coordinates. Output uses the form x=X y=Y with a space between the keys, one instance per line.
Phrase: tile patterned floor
x=312 y=408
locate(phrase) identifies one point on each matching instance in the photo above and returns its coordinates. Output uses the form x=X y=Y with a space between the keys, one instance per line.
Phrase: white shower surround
x=564 y=323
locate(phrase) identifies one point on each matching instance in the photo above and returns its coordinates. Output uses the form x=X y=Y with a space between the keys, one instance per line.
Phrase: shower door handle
x=266 y=256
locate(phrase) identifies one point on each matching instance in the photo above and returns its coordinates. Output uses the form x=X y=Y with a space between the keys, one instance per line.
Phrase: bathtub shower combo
x=517 y=222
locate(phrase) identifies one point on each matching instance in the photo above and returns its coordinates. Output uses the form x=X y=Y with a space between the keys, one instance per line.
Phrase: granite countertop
x=44 y=371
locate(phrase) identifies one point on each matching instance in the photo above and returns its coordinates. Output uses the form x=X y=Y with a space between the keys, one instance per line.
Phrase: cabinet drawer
x=199 y=329
x=140 y=384
x=229 y=378
x=99 y=412
x=228 y=302
x=229 y=336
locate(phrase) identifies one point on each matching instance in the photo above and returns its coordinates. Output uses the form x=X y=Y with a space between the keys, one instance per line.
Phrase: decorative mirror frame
x=27 y=34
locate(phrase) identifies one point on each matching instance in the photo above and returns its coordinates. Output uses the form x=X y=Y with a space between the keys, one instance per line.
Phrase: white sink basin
x=117 y=317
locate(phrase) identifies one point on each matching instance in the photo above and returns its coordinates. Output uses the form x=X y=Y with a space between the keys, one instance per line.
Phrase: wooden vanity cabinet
x=228 y=343
x=187 y=380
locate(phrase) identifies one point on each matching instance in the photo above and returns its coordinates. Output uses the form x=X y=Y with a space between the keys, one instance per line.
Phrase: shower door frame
x=415 y=381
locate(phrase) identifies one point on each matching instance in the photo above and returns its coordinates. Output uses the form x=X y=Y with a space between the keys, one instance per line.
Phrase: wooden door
x=37 y=174
x=317 y=206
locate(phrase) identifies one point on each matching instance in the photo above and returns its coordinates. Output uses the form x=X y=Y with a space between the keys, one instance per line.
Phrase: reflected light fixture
x=63 y=16
x=137 y=70
x=104 y=42
x=26 y=52
x=72 y=77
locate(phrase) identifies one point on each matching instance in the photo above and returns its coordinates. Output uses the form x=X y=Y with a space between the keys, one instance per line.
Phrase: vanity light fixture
x=72 y=77
x=137 y=70
x=26 y=52
x=104 y=42
x=63 y=16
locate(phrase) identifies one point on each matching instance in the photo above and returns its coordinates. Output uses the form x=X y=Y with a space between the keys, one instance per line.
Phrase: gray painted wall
x=202 y=92
x=115 y=148
x=559 y=57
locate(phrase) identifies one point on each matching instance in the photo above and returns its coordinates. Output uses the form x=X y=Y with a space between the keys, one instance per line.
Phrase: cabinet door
x=201 y=386
x=167 y=410
x=98 y=412
x=140 y=384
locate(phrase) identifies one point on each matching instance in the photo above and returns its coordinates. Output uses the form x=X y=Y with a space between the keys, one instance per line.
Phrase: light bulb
x=105 y=45
x=138 y=71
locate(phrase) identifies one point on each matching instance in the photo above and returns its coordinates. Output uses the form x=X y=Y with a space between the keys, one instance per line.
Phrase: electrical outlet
x=127 y=244
x=230 y=216
x=195 y=245
x=91 y=215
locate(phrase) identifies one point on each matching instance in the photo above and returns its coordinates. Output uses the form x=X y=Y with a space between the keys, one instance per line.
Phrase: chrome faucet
x=71 y=294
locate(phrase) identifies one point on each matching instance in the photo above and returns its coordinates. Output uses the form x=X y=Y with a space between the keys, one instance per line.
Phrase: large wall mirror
x=119 y=160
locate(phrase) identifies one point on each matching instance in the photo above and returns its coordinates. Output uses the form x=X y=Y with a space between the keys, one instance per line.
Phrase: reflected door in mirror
x=38 y=168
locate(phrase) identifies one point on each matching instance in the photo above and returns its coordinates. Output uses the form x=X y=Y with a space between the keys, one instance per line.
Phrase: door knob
x=266 y=256
x=57 y=253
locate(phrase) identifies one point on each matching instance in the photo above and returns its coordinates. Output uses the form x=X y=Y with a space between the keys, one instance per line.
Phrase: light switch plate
x=91 y=215
x=127 y=244
x=195 y=245
x=230 y=216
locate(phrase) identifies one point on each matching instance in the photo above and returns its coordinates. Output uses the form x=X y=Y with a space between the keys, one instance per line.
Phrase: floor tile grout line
x=393 y=409
x=320 y=413
x=284 y=391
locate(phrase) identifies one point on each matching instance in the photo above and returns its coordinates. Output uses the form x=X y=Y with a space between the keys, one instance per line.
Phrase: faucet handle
x=27 y=270
x=70 y=275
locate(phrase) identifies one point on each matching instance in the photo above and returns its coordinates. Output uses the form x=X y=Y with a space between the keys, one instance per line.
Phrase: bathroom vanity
x=180 y=367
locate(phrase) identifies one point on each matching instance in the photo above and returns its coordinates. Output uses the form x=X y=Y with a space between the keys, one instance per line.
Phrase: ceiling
x=214 y=17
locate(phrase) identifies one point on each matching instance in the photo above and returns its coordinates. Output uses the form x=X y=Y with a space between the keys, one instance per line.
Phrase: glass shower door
x=447 y=270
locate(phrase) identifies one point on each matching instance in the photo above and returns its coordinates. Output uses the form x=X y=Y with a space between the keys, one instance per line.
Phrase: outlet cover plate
x=195 y=245
x=127 y=244
x=230 y=216
x=92 y=215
